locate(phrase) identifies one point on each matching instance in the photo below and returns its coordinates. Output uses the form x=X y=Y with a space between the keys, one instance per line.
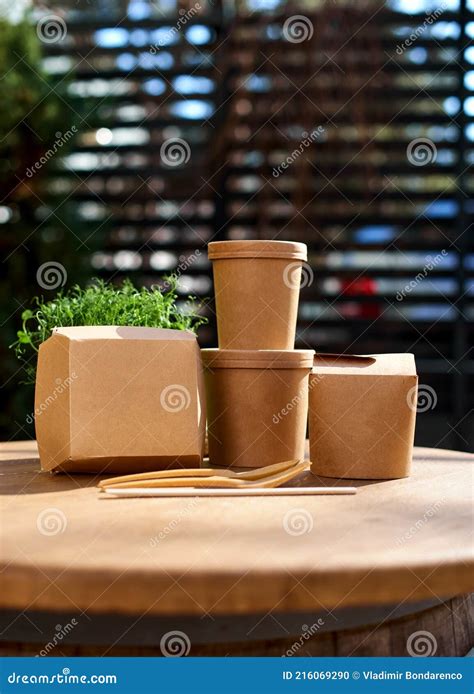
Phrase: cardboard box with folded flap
x=362 y=412
x=118 y=399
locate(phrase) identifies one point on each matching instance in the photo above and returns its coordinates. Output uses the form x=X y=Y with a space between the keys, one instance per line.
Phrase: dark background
x=224 y=77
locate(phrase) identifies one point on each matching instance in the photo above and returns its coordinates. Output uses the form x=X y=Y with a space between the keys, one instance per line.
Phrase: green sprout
x=102 y=303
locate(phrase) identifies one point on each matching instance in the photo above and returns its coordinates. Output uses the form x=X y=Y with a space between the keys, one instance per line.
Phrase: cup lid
x=292 y=250
x=257 y=358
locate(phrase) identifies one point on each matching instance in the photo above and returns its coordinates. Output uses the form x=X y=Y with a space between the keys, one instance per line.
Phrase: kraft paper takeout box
x=114 y=399
x=257 y=288
x=362 y=412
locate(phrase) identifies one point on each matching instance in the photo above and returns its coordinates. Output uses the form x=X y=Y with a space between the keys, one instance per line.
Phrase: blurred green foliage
x=30 y=111
x=36 y=226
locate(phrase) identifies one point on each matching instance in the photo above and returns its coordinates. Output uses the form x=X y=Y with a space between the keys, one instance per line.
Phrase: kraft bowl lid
x=257 y=358
x=291 y=250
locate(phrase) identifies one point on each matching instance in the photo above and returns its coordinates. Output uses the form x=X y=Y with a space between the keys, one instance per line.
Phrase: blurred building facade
x=349 y=126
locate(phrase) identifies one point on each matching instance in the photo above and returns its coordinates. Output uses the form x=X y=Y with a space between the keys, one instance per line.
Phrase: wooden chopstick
x=253 y=491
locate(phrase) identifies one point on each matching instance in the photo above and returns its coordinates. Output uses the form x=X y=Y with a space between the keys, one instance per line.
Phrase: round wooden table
x=322 y=575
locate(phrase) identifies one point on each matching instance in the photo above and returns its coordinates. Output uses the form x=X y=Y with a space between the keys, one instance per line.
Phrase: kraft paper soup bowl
x=257 y=286
x=258 y=405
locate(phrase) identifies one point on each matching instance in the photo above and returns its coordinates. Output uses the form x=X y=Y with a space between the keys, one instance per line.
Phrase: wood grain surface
x=63 y=548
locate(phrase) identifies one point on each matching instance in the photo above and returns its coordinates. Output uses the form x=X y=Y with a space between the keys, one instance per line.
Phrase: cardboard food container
x=119 y=399
x=257 y=286
x=362 y=412
x=257 y=405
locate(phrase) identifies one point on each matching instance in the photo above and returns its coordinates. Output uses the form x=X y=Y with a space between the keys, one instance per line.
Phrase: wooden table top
x=63 y=548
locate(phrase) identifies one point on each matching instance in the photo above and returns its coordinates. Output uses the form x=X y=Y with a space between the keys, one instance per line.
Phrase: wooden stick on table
x=252 y=491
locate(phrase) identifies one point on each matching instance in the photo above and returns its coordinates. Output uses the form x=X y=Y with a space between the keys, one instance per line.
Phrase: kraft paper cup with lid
x=257 y=287
x=257 y=405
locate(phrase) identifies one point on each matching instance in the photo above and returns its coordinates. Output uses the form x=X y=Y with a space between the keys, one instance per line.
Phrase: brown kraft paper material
x=362 y=412
x=119 y=399
x=257 y=405
x=257 y=286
